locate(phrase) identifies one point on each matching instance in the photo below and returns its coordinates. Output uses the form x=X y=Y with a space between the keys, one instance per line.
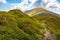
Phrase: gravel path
x=48 y=35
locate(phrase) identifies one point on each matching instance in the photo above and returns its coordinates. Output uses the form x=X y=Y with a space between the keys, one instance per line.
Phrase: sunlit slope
x=15 y=25
x=51 y=19
x=48 y=17
x=37 y=11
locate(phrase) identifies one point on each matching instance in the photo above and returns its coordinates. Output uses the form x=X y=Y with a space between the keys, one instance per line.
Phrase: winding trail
x=48 y=35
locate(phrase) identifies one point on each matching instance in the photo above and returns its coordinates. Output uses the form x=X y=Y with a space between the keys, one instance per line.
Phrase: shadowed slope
x=15 y=25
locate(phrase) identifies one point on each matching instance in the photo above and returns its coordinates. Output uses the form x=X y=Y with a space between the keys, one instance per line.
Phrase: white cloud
x=48 y=3
x=24 y=5
x=27 y=6
x=52 y=5
x=3 y=1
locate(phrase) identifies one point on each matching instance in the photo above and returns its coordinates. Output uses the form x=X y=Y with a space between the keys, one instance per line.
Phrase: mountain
x=52 y=20
x=15 y=25
x=40 y=10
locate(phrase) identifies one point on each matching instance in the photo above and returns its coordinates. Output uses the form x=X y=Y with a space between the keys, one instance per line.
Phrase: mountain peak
x=36 y=11
x=39 y=11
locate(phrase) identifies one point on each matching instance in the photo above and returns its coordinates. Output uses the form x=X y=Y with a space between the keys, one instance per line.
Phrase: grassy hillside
x=15 y=25
x=49 y=18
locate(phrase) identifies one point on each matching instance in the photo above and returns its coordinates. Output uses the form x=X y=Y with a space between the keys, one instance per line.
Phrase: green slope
x=49 y=18
x=15 y=25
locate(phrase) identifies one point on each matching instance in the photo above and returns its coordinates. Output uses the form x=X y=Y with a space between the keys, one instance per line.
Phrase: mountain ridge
x=42 y=10
x=49 y=18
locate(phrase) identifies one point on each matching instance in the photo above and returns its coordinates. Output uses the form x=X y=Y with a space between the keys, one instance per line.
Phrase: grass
x=15 y=25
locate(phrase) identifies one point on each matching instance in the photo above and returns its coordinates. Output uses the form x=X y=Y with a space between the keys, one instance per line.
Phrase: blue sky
x=24 y=5
x=14 y=1
x=58 y=0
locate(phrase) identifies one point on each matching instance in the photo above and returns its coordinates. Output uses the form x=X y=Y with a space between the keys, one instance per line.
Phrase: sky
x=25 y=5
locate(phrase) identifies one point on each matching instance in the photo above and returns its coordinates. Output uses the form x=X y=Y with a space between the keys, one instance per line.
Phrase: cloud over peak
x=24 y=5
x=52 y=5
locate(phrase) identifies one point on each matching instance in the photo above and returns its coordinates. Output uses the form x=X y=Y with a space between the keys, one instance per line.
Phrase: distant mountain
x=37 y=11
x=51 y=19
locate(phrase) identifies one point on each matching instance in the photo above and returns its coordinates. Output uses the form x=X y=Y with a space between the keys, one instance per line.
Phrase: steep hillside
x=51 y=19
x=15 y=25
